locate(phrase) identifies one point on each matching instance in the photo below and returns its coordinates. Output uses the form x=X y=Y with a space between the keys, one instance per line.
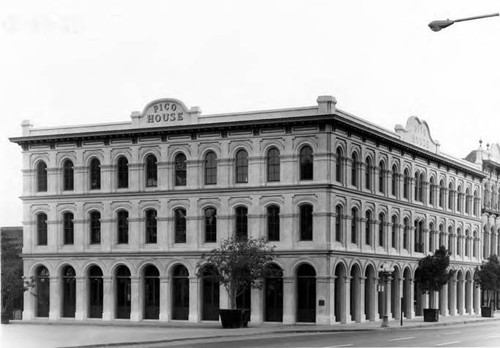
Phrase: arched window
x=95 y=227
x=95 y=174
x=338 y=165
x=273 y=223
x=406 y=230
x=241 y=166
x=180 y=293
x=306 y=222
x=151 y=226
x=306 y=163
x=394 y=180
x=381 y=176
x=419 y=177
x=122 y=166
x=406 y=184
x=210 y=168
x=368 y=173
x=210 y=225
x=41 y=228
x=459 y=242
x=368 y=227
x=450 y=242
x=381 y=235
x=421 y=187
x=151 y=292
x=467 y=201
x=42 y=288
x=96 y=291
x=441 y=236
x=354 y=169
x=68 y=227
x=431 y=191
x=467 y=243
x=431 y=237
x=180 y=225
x=68 y=292
x=419 y=237
x=68 y=175
x=474 y=244
x=151 y=171
x=123 y=292
x=180 y=170
x=273 y=164
x=441 y=193
x=338 y=223
x=459 y=199
x=450 y=196
x=122 y=226
x=476 y=203
x=394 y=221
x=241 y=228
x=354 y=226
x=41 y=176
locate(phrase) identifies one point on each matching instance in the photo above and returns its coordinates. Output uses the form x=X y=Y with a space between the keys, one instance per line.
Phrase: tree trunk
x=232 y=298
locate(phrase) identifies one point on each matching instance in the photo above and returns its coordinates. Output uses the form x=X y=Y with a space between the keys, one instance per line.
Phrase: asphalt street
x=464 y=335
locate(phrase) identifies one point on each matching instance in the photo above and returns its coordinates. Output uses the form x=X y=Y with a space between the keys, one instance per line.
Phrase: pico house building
x=117 y=216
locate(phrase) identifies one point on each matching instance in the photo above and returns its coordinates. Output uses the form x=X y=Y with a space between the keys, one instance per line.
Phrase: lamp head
x=438 y=25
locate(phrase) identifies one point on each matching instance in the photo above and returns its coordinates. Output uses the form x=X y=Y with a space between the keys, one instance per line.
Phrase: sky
x=84 y=62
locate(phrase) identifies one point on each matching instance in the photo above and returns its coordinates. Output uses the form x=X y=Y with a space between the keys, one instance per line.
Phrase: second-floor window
x=241 y=166
x=241 y=231
x=180 y=225
x=394 y=180
x=393 y=230
x=151 y=171
x=306 y=163
x=41 y=229
x=273 y=165
x=338 y=223
x=68 y=176
x=273 y=223
x=95 y=227
x=381 y=177
x=122 y=167
x=122 y=227
x=180 y=170
x=95 y=174
x=151 y=226
x=306 y=222
x=368 y=173
x=210 y=168
x=368 y=228
x=210 y=225
x=381 y=236
x=68 y=227
x=354 y=226
x=41 y=177
x=338 y=165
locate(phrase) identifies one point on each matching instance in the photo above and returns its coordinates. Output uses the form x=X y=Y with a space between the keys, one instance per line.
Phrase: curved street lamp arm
x=476 y=17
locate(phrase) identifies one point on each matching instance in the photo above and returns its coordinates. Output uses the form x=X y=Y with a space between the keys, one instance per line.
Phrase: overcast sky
x=80 y=62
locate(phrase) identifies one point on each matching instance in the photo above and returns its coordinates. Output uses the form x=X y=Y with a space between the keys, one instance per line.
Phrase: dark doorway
x=151 y=293
x=42 y=292
x=210 y=294
x=180 y=293
x=123 y=293
x=95 y=292
x=273 y=292
x=306 y=294
x=69 y=292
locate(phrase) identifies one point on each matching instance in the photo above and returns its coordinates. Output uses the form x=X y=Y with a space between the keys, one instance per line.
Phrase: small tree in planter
x=432 y=274
x=487 y=277
x=240 y=264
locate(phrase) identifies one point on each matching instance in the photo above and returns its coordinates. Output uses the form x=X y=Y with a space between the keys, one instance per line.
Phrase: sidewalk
x=45 y=334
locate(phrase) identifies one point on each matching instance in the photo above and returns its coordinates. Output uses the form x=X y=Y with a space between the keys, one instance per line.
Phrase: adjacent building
x=117 y=216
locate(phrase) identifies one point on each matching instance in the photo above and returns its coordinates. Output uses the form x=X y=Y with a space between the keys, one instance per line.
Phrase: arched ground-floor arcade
x=323 y=289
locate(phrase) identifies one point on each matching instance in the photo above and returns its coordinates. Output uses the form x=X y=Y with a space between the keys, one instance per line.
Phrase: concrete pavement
x=46 y=334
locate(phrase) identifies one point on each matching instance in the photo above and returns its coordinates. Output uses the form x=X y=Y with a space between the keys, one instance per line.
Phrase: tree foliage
x=13 y=285
x=240 y=264
x=487 y=276
x=432 y=271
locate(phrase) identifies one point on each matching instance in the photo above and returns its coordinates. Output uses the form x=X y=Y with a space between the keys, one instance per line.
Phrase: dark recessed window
x=151 y=171
x=95 y=174
x=41 y=228
x=273 y=223
x=210 y=168
x=180 y=170
x=180 y=225
x=273 y=165
x=95 y=227
x=210 y=225
x=122 y=217
x=68 y=176
x=306 y=222
x=241 y=222
x=41 y=176
x=151 y=226
x=241 y=166
x=122 y=172
x=68 y=227
x=306 y=163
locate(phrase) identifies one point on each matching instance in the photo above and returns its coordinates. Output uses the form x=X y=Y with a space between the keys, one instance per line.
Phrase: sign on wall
x=417 y=132
x=166 y=112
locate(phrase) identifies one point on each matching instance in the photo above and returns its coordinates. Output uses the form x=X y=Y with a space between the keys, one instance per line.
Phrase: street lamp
x=384 y=274
x=441 y=24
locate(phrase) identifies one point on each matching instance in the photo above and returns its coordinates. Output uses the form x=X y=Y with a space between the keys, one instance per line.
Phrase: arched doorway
x=355 y=294
x=210 y=294
x=69 y=292
x=180 y=293
x=42 y=292
x=151 y=292
x=407 y=300
x=395 y=294
x=468 y=293
x=370 y=291
x=452 y=293
x=417 y=298
x=460 y=292
x=306 y=294
x=95 y=292
x=340 y=295
x=273 y=293
x=123 y=295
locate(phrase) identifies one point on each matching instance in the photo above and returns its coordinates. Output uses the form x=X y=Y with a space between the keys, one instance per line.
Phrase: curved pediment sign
x=164 y=113
x=417 y=133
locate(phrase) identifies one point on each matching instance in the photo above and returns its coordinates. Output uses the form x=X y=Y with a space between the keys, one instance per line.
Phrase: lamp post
x=441 y=24
x=384 y=274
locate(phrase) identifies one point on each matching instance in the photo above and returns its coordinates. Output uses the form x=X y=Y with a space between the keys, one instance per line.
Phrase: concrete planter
x=234 y=318
x=431 y=314
x=487 y=312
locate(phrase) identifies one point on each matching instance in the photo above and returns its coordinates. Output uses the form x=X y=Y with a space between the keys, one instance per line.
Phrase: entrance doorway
x=306 y=294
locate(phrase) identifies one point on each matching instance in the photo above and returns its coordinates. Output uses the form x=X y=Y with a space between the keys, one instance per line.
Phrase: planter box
x=431 y=315
x=234 y=318
x=5 y=318
x=487 y=312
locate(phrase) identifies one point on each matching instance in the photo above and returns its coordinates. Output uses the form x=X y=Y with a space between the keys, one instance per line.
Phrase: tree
x=487 y=276
x=432 y=271
x=13 y=285
x=241 y=264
